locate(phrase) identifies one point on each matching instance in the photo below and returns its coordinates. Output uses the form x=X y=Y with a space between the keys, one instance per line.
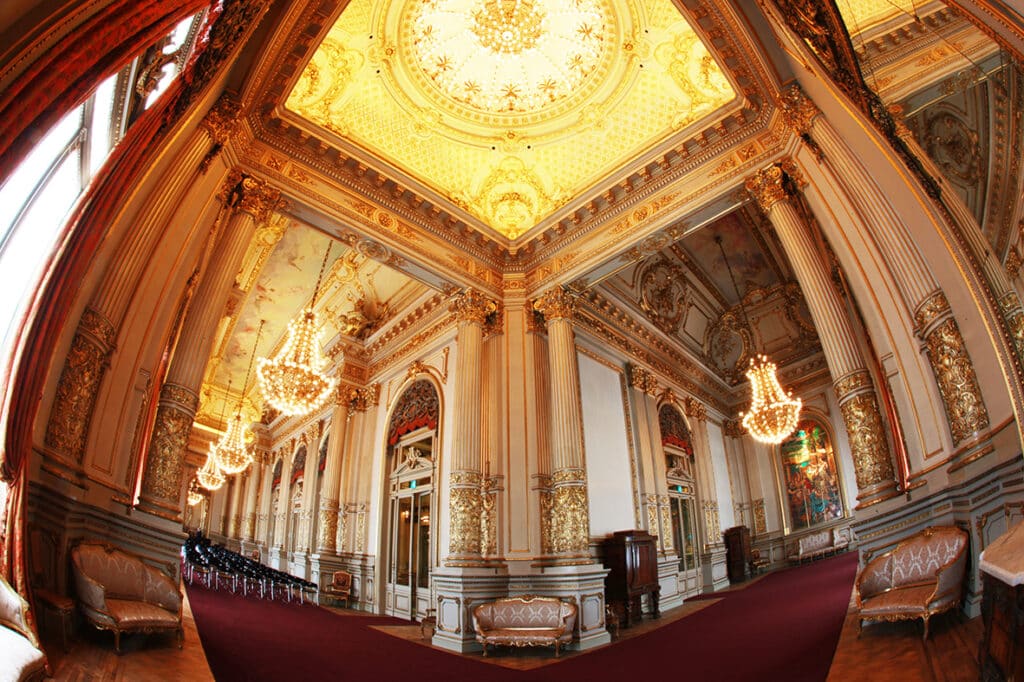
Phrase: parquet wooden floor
x=885 y=651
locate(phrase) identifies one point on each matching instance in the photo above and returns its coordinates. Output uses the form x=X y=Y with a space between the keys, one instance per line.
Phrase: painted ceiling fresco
x=509 y=125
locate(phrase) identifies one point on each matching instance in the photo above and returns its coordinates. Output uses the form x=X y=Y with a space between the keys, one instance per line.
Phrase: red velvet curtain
x=61 y=78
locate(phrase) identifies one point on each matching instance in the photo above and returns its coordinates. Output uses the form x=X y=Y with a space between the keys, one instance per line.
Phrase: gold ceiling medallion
x=508 y=56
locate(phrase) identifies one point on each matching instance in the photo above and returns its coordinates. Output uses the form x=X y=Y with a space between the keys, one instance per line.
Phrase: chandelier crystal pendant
x=773 y=412
x=210 y=475
x=293 y=381
x=234 y=453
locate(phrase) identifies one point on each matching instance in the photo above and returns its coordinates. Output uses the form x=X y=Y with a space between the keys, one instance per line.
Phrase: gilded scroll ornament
x=652 y=519
x=464 y=506
x=798 y=111
x=853 y=382
x=489 y=518
x=711 y=523
x=166 y=461
x=570 y=520
x=472 y=306
x=733 y=428
x=695 y=409
x=760 y=520
x=328 y=527
x=958 y=383
x=361 y=529
x=341 y=539
x=766 y=187
x=222 y=119
x=555 y=304
x=1010 y=306
x=666 y=524
x=642 y=380
x=250 y=195
x=868 y=445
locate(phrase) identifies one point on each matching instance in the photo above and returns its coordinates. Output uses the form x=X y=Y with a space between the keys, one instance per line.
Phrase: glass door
x=684 y=534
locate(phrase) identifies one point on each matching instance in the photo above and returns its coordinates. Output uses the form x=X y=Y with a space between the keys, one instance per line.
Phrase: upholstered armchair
x=921 y=577
x=340 y=587
x=21 y=657
x=118 y=591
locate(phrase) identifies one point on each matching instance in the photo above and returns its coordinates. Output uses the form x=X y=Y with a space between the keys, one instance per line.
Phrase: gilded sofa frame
x=540 y=635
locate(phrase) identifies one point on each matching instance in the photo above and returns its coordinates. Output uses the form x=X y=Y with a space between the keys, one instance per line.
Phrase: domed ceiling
x=509 y=108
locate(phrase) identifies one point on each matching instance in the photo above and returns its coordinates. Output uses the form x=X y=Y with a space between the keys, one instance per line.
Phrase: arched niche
x=812 y=489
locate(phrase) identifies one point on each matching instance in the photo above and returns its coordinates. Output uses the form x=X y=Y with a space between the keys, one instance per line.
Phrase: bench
x=819 y=544
x=525 y=621
x=922 y=576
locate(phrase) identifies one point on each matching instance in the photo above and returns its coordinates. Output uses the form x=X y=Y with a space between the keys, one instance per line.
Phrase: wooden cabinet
x=737 y=552
x=632 y=556
x=1002 y=649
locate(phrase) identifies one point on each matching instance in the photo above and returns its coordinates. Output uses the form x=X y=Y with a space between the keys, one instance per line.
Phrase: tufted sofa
x=922 y=576
x=525 y=621
x=119 y=592
x=20 y=656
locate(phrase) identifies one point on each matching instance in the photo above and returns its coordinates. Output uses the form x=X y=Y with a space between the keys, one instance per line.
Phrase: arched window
x=812 y=492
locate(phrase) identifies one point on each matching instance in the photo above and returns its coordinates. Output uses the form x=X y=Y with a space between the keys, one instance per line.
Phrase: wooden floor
x=884 y=651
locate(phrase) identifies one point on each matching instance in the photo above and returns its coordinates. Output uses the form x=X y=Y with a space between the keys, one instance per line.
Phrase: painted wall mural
x=811 y=479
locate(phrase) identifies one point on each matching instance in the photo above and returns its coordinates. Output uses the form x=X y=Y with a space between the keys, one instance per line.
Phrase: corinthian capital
x=798 y=111
x=555 y=304
x=472 y=306
x=220 y=122
x=767 y=187
x=250 y=195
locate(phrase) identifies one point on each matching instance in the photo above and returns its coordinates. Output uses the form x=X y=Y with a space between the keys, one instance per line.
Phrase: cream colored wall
x=609 y=480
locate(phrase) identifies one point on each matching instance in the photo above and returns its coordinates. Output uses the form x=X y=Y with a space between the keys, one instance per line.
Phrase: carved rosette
x=695 y=409
x=464 y=507
x=73 y=405
x=952 y=366
x=328 y=527
x=570 y=516
x=472 y=306
x=555 y=304
x=868 y=446
x=766 y=187
x=642 y=380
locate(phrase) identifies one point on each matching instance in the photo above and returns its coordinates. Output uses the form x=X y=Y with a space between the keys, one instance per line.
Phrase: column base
x=458 y=590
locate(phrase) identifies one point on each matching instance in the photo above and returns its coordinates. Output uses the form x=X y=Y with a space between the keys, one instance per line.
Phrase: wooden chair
x=340 y=587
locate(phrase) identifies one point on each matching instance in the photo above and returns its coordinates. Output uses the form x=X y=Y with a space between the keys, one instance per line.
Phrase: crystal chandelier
x=234 y=454
x=194 y=496
x=210 y=475
x=293 y=381
x=773 y=412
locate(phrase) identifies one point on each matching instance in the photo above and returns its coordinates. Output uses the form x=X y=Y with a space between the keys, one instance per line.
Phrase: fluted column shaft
x=642 y=387
x=250 y=201
x=933 y=318
x=858 y=402
x=465 y=504
x=71 y=413
x=570 y=513
x=327 y=537
x=252 y=486
x=235 y=502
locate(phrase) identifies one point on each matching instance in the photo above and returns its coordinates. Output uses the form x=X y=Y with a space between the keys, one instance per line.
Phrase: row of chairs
x=217 y=567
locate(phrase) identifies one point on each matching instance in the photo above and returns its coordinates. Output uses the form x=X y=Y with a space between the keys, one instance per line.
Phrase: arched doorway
x=682 y=495
x=411 y=550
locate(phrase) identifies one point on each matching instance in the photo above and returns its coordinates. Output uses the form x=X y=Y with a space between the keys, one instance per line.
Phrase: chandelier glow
x=773 y=413
x=194 y=496
x=233 y=454
x=293 y=381
x=508 y=56
x=210 y=475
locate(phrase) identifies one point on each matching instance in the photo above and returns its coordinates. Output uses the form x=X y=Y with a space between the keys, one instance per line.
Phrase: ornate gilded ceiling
x=509 y=109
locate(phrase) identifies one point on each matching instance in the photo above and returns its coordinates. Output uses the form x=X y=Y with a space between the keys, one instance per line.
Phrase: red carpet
x=783 y=627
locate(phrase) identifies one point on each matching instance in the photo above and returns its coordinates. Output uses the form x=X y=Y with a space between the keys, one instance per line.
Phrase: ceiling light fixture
x=293 y=381
x=773 y=413
x=234 y=454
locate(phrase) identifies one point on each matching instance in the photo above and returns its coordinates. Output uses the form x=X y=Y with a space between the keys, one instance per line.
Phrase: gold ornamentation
x=166 y=461
x=464 y=507
x=555 y=304
x=489 y=518
x=570 y=518
x=798 y=111
x=931 y=309
x=760 y=520
x=958 y=383
x=220 y=122
x=853 y=382
x=472 y=306
x=75 y=400
x=663 y=294
x=328 y=527
x=652 y=519
x=1010 y=306
x=868 y=445
x=250 y=195
x=773 y=413
x=361 y=528
x=711 y=523
x=547 y=503
x=766 y=186
x=642 y=380
x=733 y=428
x=668 y=542
x=695 y=409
